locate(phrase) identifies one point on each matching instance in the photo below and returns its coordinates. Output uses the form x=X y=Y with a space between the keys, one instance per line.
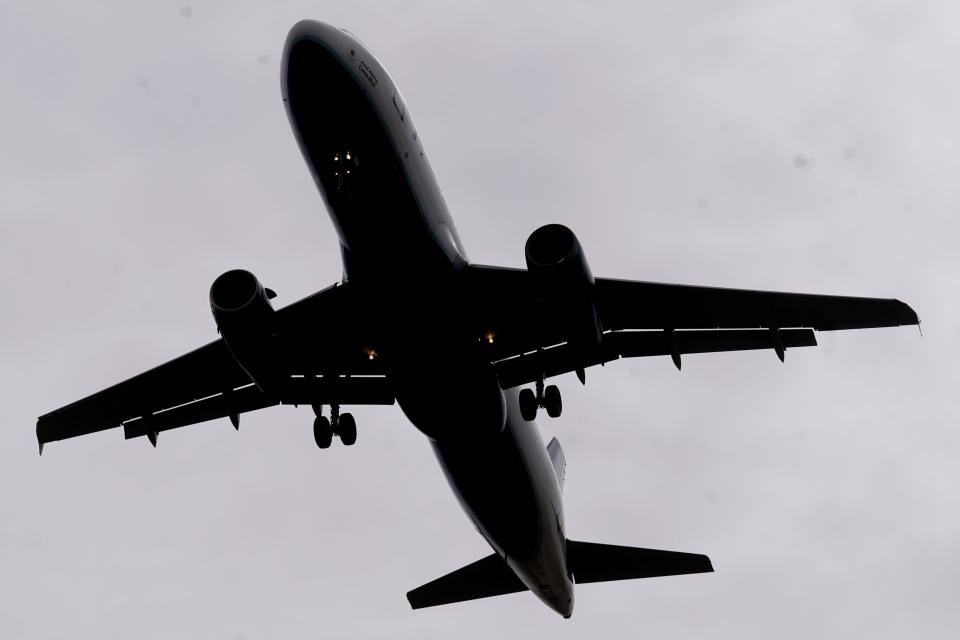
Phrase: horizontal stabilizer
x=484 y=578
x=589 y=562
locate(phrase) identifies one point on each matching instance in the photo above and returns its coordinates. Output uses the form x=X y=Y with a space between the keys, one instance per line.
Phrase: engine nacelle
x=246 y=320
x=564 y=284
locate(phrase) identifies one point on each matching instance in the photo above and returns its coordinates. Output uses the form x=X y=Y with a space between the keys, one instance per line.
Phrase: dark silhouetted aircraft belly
x=366 y=159
x=403 y=257
x=401 y=251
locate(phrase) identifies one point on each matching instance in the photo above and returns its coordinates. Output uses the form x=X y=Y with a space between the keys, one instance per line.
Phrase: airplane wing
x=651 y=305
x=649 y=318
x=322 y=343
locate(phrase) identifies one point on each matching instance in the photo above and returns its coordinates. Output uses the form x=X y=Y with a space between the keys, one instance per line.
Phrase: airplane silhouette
x=452 y=342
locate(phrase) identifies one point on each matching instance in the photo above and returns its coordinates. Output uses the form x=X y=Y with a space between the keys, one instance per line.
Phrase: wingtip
x=907 y=315
x=709 y=565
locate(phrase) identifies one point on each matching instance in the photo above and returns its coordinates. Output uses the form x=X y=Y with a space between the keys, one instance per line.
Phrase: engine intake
x=564 y=284
x=246 y=320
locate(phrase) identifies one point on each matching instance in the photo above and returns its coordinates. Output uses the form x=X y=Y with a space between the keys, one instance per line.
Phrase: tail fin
x=555 y=451
x=590 y=562
x=484 y=578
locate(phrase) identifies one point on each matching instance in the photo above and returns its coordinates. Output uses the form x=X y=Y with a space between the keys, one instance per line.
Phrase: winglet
x=152 y=437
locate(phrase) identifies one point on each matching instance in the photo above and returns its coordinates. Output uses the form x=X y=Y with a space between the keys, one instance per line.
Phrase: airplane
x=464 y=349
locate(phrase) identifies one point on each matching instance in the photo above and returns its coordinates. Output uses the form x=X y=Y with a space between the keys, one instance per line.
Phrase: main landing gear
x=548 y=398
x=342 y=425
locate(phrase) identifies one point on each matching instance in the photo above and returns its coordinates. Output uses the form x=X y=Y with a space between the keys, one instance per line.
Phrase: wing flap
x=198 y=374
x=563 y=358
x=305 y=391
x=243 y=400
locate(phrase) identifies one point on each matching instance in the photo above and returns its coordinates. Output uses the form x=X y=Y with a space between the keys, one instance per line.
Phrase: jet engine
x=246 y=321
x=563 y=283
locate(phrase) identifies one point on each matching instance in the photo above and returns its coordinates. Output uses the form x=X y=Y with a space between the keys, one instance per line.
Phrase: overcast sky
x=807 y=145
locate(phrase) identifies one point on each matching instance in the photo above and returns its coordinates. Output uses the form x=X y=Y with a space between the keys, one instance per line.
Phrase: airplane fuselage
x=403 y=255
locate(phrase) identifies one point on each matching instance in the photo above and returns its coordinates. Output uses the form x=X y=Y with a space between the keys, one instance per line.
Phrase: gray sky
x=805 y=145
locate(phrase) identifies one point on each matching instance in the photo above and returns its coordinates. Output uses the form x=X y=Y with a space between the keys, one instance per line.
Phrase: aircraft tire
x=322 y=432
x=552 y=401
x=528 y=405
x=347 y=429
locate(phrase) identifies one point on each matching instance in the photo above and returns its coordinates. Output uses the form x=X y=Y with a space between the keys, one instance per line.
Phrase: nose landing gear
x=342 y=425
x=548 y=398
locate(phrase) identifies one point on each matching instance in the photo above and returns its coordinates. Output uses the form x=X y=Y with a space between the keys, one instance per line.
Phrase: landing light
x=489 y=338
x=371 y=354
x=348 y=155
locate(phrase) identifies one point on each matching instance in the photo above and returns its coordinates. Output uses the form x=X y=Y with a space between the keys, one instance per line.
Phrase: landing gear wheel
x=322 y=432
x=347 y=429
x=528 y=405
x=552 y=402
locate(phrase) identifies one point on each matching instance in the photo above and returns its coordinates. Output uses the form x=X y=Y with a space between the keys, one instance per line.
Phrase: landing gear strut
x=548 y=398
x=342 y=425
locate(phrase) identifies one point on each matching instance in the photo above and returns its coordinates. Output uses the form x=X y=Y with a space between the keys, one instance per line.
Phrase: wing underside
x=642 y=319
x=325 y=346
x=327 y=355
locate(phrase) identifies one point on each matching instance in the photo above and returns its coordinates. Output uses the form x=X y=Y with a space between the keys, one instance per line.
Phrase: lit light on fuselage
x=489 y=338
